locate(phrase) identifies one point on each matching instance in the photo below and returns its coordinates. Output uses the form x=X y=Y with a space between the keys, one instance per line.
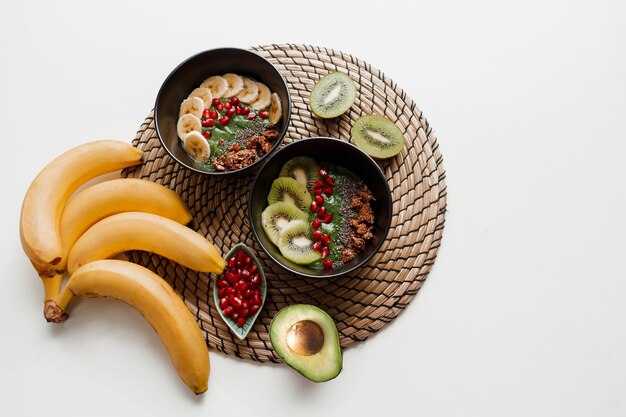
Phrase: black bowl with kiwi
x=320 y=207
x=221 y=131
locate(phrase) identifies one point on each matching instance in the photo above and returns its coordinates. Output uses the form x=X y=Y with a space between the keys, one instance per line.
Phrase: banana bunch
x=103 y=220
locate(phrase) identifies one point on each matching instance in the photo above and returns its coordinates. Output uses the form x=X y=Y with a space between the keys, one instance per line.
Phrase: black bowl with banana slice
x=222 y=111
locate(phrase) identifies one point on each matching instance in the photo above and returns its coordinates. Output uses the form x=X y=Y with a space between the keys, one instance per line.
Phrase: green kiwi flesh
x=332 y=95
x=290 y=191
x=295 y=243
x=303 y=169
x=377 y=136
x=277 y=216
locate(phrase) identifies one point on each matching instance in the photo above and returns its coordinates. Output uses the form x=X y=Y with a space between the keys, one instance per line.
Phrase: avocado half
x=306 y=338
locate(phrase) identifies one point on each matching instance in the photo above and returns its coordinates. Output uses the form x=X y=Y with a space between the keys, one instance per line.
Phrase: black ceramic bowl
x=343 y=154
x=190 y=75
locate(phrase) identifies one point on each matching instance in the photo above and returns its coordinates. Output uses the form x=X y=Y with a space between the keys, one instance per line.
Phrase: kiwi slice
x=290 y=191
x=277 y=216
x=296 y=244
x=303 y=169
x=332 y=95
x=377 y=136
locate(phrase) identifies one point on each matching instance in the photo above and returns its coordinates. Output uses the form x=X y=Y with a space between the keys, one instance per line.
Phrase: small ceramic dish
x=241 y=332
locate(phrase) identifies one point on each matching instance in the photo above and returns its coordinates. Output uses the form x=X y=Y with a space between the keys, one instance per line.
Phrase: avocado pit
x=305 y=337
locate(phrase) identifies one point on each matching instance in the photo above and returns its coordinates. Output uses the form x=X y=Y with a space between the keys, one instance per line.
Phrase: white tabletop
x=523 y=313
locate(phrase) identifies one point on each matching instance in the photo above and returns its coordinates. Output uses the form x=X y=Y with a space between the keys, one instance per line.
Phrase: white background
x=523 y=313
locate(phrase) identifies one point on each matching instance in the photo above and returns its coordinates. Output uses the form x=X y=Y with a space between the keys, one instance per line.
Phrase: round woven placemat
x=367 y=300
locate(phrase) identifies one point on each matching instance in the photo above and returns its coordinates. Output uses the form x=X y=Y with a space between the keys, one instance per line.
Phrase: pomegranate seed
x=220 y=107
x=223 y=303
x=211 y=122
x=328 y=263
x=328 y=218
x=204 y=122
x=241 y=255
x=244 y=313
x=222 y=292
x=330 y=181
x=224 y=120
x=254 y=308
x=325 y=252
x=317 y=191
x=325 y=239
x=214 y=114
x=256 y=279
x=263 y=114
x=229 y=290
x=235 y=302
x=253 y=269
x=245 y=111
x=319 y=199
x=323 y=172
x=235 y=316
x=238 y=109
x=318 y=184
x=244 y=306
x=230 y=112
x=328 y=191
x=221 y=283
x=227 y=105
x=236 y=147
x=234 y=101
x=231 y=277
x=316 y=224
x=314 y=207
x=247 y=260
x=251 y=116
x=241 y=321
x=256 y=300
x=216 y=102
x=228 y=311
x=207 y=135
x=245 y=274
x=317 y=234
x=321 y=212
x=206 y=113
x=317 y=245
x=248 y=293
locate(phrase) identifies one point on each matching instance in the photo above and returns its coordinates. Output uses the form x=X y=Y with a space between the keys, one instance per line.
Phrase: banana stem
x=52 y=286
x=64 y=298
x=57 y=299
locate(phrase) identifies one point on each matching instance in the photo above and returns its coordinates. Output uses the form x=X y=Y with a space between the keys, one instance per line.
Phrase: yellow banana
x=53 y=186
x=116 y=196
x=157 y=302
x=148 y=232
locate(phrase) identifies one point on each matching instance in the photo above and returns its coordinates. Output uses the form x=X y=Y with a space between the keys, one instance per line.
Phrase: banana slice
x=204 y=94
x=218 y=85
x=191 y=105
x=235 y=84
x=276 y=109
x=188 y=123
x=249 y=92
x=263 y=100
x=197 y=147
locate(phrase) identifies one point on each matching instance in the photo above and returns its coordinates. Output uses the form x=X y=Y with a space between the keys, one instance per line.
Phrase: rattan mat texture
x=368 y=299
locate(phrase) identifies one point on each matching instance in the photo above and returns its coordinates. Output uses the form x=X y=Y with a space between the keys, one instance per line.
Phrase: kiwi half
x=295 y=243
x=303 y=169
x=290 y=191
x=377 y=136
x=277 y=216
x=332 y=95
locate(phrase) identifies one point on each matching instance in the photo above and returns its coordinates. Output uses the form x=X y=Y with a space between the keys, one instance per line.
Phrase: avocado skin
x=320 y=367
